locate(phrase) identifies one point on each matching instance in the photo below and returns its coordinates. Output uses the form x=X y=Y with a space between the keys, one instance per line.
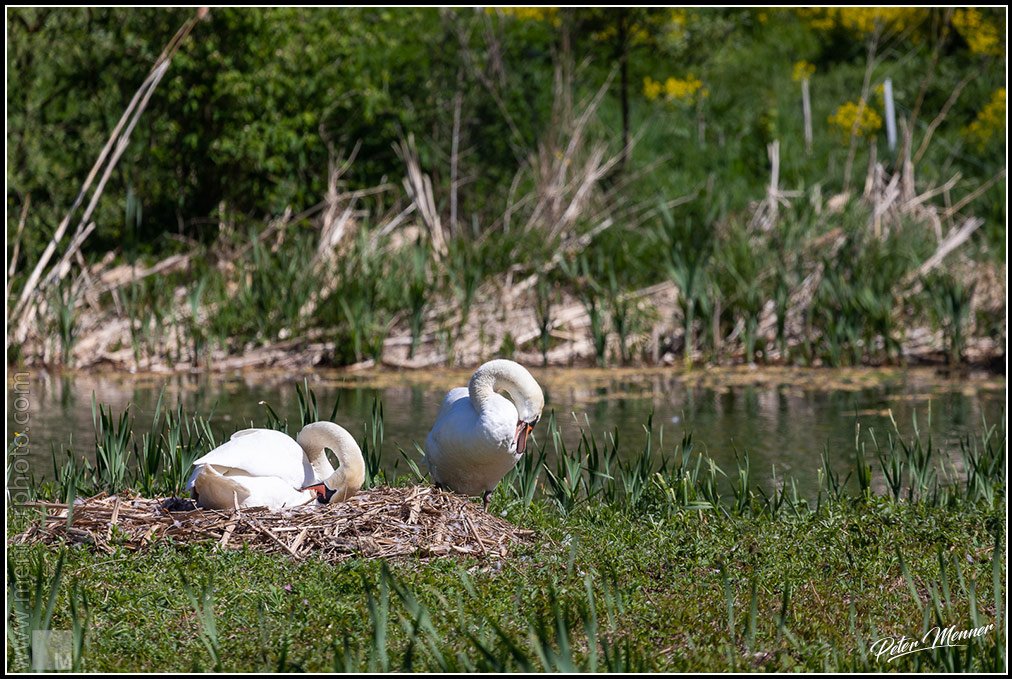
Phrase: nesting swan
x=267 y=468
x=480 y=435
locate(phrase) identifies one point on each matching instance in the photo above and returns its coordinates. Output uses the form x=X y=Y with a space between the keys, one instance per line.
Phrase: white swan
x=266 y=468
x=479 y=435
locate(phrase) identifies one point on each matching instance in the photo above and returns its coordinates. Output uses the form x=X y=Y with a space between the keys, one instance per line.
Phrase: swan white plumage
x=267 y=468
x=480 y=435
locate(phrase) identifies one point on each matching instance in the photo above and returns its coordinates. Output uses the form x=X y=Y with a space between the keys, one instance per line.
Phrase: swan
x=480 y=435
x=266 y=468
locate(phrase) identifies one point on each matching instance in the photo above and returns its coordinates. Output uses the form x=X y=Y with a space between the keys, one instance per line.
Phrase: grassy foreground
x=658 y=563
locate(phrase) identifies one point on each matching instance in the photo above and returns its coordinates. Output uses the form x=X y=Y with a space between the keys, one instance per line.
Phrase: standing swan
x=479 y=435
x=266 y=468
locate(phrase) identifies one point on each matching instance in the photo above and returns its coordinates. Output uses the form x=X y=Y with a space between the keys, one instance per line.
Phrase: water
x=782 y=418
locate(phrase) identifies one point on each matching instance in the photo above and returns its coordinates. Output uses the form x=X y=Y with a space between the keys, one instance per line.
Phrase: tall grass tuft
x=686 y=246
x=743 y=279
x=372 y=445
x=63 y=300
x=543 y=300
x=949 y=305
x=584 y=274
x=112 y=451
x=150 y=453
x=30 y=609
x=201 y=598
x=417 y=292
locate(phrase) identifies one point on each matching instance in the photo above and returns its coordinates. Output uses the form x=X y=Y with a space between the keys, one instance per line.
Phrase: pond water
x=784 y=418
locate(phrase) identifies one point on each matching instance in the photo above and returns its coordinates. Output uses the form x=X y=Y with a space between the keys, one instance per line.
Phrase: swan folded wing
x=459 y=427
x=262 y=453
x=442 y=444
x=216 y=490
x=456 y=423
x=452 y=397
x=469 y=452
x=271 y=492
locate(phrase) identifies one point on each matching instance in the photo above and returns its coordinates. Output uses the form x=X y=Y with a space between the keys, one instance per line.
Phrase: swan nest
x=379 y=523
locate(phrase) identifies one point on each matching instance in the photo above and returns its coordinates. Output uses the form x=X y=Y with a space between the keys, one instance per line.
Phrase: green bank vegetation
x=629 y=184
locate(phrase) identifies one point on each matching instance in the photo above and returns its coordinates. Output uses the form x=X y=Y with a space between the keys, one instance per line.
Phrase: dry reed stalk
x=338 y=207
x=933 y=125
x=12 y=267
x=108 y=157
x=419 y=189
x=458 y=101
x=767 y=212
x=953 y=240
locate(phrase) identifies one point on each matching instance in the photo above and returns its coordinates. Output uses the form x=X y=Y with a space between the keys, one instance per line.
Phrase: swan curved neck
x=315 y=438
x=511 y=377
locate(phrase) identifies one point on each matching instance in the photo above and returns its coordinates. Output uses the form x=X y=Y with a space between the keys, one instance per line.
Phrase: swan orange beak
x=523 y=431
x=323 y=494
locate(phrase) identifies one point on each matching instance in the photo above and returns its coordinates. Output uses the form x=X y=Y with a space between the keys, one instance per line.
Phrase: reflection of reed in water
x=782 y=418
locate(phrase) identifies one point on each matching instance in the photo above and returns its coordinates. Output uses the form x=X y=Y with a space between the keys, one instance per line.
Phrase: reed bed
x=584 y=250
x=416 y=521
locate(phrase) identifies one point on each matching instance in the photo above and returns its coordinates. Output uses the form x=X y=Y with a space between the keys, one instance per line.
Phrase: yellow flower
x=880 y=93
x=989 y=122
x=675 y=89
x=545 y=14
x=651 y=88
x=685 y=89
x=982 y=36
x=639 y=35
x=868 y=120
x=802 y=71
x=863 y=20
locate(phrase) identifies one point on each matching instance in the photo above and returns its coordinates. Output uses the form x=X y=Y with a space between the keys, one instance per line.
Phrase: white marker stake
x=806 y=107
x=890 y=114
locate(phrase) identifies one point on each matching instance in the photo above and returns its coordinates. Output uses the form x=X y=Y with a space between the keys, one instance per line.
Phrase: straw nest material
x=379 y=523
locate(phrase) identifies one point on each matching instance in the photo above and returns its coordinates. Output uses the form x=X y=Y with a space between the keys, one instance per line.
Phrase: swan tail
x=213 y=490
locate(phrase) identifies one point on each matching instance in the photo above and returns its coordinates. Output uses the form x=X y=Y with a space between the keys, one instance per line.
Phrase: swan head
x=529 y=401
x=524 y=429
x=518 y=382
x=339 y=485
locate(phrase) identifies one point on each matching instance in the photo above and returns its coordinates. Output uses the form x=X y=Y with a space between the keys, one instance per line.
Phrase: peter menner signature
x=936 y=637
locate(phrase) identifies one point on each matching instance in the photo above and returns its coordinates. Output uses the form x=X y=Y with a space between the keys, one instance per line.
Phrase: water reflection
x=784 y=426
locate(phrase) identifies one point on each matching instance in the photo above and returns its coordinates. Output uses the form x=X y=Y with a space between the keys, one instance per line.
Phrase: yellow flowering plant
x=868 y=120
x=863 y=20
x=990 y=122
x=880 y=93
x=802 y=71
x=652 y=88
x=982 y=36
x=544 y=14
x=685 y=90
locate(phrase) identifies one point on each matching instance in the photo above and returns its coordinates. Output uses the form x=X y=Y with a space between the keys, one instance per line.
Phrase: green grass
x=670 y=593
x=661 y=561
